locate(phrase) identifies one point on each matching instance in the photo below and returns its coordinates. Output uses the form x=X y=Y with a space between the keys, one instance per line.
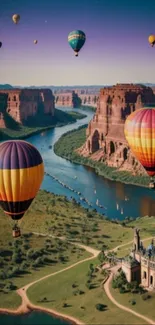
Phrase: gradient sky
x=116 y=48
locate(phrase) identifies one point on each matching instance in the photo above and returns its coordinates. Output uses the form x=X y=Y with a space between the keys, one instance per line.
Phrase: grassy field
x=36 y=125
x=33 y=256
x=144 y=307
x=77 y=115
x=68 y=143
x=76 y=292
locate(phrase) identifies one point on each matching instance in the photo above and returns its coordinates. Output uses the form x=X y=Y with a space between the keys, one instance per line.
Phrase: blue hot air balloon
x=76 y=40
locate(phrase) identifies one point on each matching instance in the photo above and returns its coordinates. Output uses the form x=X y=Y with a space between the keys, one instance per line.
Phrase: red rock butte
x=73 y=98
x=105 y=133
x=23 y=103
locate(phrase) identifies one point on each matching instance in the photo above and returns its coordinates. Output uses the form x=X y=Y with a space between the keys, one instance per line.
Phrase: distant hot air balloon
x=151 y=40
x=76 y=40
x=16 y=18
x=140 y=134
x=0 y=44
x=21 y=174
x=35 y=41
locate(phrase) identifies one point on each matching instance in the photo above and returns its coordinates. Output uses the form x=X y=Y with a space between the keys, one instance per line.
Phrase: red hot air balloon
x=21 y=174
x=140 y=133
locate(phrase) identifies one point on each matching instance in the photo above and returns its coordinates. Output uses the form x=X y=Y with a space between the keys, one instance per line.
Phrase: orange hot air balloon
x=151 y=40
x=139 y=131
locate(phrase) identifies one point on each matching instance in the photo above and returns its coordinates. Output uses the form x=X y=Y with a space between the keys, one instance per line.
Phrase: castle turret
x=136 y=240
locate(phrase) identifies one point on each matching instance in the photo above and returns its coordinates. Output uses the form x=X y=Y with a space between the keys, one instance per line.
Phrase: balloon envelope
x=151 y=39
x=35 y=41
x=139 y=131
x=21 y=174
x=0 y=44
x=76 y=40
x=16 y=18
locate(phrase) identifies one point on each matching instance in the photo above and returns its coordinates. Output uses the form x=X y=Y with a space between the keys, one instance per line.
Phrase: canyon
x=105 y=133
x=21 y=104
x=76 y=98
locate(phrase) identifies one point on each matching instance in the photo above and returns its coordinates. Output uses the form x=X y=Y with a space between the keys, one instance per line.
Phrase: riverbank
x=33 y=127
x=65 y=147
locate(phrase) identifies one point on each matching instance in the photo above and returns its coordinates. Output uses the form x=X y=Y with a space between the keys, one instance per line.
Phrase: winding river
x=119 y=200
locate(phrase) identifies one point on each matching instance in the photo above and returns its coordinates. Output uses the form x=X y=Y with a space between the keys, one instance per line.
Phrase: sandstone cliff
x=76 y=98
x=21 y=104
x=105 y=133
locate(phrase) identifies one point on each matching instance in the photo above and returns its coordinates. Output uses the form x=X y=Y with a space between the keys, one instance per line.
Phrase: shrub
x=100 y=307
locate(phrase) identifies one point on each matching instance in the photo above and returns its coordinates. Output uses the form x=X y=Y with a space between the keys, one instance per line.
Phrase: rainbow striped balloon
x=139 y=131
x=21 y=173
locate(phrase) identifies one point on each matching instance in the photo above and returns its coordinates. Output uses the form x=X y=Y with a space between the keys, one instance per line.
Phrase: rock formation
x=23 y=103
x=69 y=99
x=72 y=99
x=105 y=133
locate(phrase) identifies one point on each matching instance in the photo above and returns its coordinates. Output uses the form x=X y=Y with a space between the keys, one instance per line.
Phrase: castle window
x=14 y=98
x=144 y=275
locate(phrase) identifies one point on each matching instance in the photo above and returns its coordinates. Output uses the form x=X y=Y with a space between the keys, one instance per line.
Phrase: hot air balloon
x=35 y=41
x=76 y=40
x=0 y=44
x=21 y=174
x=16 y=18
x=140 y=134
x=151 y=40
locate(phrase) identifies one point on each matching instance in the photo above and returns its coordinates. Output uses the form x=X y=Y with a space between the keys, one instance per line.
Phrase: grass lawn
x=69 y=142
x=70 y=288
x=76 y=115
x=144 y=307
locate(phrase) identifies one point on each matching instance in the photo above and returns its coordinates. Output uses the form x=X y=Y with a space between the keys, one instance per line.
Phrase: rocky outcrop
x=69 y=99
x=24 y=103
x=105 y=133
x=76 y=98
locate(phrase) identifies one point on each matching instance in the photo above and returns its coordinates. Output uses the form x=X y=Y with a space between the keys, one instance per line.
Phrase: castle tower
x=136 y=240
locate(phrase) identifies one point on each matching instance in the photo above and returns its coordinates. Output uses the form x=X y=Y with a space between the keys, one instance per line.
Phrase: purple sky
x=116 y=48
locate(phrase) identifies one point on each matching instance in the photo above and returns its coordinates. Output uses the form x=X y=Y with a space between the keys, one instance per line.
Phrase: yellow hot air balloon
x=16 y=18
x=151 y=40
x=35 y=41
x=21 y=174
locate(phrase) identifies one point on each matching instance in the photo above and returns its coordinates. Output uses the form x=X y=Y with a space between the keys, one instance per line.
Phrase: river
x=119 y=200
x=33 y=318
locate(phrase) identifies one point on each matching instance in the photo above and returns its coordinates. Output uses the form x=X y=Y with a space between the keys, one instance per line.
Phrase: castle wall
x=23 y=103
x=147 y=273
x=105 y=131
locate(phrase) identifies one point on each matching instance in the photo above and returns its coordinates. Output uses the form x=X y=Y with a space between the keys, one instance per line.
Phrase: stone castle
x=23 y=103
x=105 y=133
x=140 y=264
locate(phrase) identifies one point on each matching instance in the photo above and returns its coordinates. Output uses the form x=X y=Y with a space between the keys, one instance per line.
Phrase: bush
x=101 y=307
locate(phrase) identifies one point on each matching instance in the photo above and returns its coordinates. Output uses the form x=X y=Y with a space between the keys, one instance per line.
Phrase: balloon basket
x=16 y=233
x=152 y=185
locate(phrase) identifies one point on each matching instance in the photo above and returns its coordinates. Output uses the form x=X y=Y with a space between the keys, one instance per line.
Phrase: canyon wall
x=24 y=103
x=68 y=99
x=74 y=98
x=105 y=133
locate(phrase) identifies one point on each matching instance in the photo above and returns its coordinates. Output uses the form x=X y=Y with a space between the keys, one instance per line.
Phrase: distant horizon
x=74 y=86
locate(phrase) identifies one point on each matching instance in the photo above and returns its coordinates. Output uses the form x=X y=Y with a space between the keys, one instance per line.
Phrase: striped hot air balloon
x=21 y=174
x=76 y=40
x=140 y=133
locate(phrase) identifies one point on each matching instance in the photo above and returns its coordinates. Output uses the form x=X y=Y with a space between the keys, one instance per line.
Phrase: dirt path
x=108 y=293
x=26 y=305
